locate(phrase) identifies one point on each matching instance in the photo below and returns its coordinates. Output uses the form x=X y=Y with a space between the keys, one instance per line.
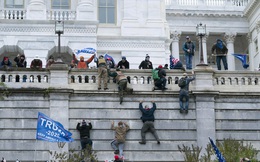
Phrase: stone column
x=258 y=41
x=59 y=100
x=204 y=49
x=230 y=38
x=36 y=10
x=205 y=112
x=175 y=36
x=252 y=65
x=86 y=10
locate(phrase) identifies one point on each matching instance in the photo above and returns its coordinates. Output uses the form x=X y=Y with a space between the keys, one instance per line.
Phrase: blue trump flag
x=51 y=130
x=242 y=58
x=218 y=153
x=86 y=50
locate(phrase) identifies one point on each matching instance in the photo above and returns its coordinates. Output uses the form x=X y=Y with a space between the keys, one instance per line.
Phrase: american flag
x=218 y=153
x=173 y=61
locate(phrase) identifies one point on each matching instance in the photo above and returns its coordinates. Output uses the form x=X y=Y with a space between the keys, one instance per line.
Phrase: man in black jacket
x=161 y=82
x=84 y=130
x=148 y=119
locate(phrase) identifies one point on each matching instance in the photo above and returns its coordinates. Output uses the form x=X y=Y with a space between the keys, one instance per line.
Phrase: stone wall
x=222 y=105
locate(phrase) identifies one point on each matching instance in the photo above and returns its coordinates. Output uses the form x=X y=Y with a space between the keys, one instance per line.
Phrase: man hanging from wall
x=121 y=80
x=120 y=134
x=184 y=92
x=148 y=121
x=84 y=129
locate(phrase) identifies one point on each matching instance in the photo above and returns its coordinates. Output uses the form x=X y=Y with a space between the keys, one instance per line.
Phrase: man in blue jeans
x=189 y=49
x=120 y=134
x=184 y=92
x=221 y=53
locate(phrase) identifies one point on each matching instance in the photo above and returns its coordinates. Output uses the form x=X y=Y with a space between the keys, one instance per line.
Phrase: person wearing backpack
x=159 y=76
x=183 y=83
x=189 y=49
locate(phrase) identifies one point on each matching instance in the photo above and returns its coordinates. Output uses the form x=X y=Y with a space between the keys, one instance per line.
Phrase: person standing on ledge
x=146 y=64
x=221 y=53
x=189 y=49
x=148 y=121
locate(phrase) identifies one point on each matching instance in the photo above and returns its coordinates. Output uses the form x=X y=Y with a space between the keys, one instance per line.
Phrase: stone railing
x=61 y=15
x=13 y=14
x=141 y=80
x=223 y=3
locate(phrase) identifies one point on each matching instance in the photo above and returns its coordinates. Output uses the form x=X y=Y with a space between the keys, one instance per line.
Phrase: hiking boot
x=142 y=143
x=121 y=99
x=116 y=152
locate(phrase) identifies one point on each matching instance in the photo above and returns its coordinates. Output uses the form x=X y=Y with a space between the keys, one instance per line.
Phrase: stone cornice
x=46 y=29
x=195 y=13
x=251 y=6
x=130 y=44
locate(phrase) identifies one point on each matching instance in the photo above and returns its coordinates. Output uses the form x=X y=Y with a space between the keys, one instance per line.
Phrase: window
x=60 y=4
x=14 y=3
x=106 y=11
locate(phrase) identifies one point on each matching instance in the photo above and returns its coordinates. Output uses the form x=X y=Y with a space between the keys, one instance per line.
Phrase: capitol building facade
x=131 y=28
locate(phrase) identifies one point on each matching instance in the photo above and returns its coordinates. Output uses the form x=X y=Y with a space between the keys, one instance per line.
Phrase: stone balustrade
x=140 y=80
x=61 y=15
x=13 y=14
x=215 y=3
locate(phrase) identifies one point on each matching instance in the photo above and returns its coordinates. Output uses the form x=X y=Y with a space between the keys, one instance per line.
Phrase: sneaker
x=105 y=88
x=181 y=111
x=116 y=152
x=186 y=111
x=99 y=88
x=158 y=142
x=142 y=143
x=121 y=99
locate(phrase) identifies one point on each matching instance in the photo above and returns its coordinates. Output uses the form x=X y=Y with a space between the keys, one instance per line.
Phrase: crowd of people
x=218 y=50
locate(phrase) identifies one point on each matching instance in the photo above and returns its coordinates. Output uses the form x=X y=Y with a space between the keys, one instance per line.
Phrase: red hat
x=116 y=157
x=160 y=66
x=5 y=58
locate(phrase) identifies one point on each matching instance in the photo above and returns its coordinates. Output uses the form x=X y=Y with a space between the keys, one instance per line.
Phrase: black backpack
x=182 y=82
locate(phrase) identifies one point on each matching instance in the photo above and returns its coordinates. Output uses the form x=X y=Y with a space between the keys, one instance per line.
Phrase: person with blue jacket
x=148 y=120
